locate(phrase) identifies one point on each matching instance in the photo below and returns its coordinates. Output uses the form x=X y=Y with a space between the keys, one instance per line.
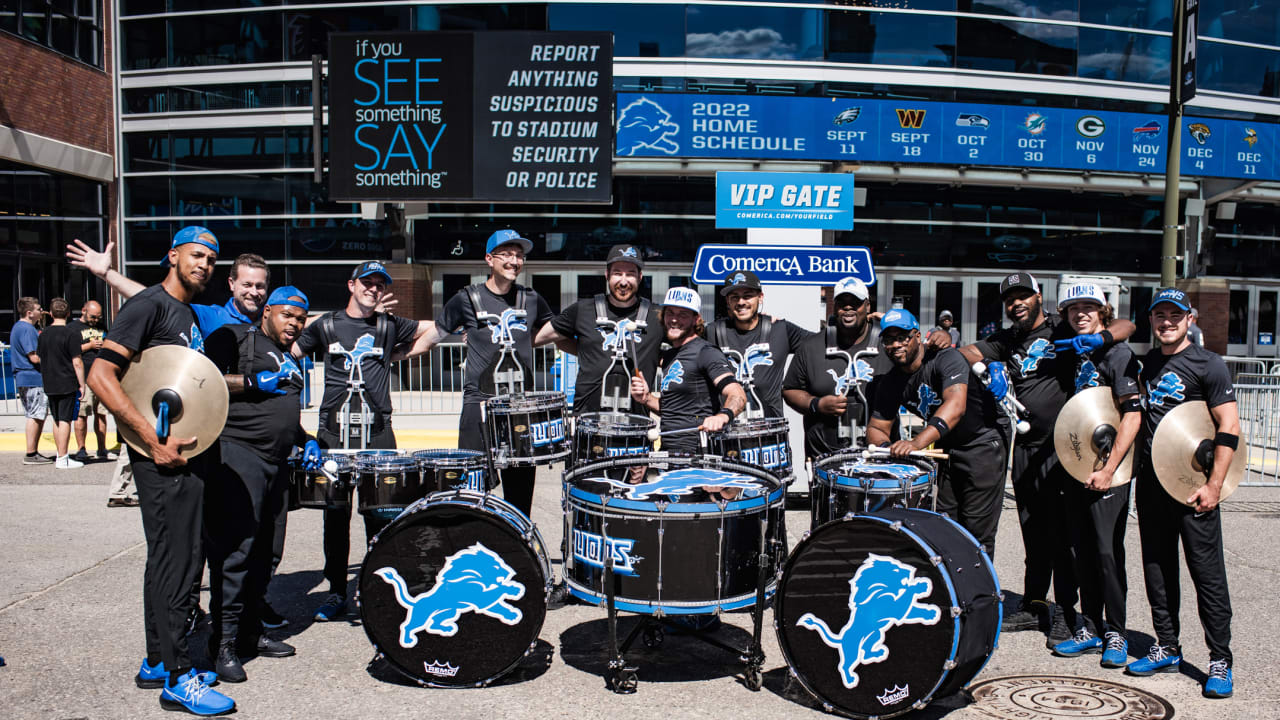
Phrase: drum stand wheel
x=621 y=679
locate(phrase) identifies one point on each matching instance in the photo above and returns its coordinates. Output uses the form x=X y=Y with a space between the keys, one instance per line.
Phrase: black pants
x=240 y=517
x=1162 y=522
x=517 y=482
x=1098 y=523
x=337 y=521
x=172 y=504
x=971 y=489
x=1039 y=484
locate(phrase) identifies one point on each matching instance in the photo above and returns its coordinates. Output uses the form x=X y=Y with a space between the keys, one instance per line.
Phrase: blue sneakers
x=1159 y=659
x=1117 y=652
x=1083 y=642
x=194 y=696
x=335 y=606
x=1219 y=683
x=152 y=677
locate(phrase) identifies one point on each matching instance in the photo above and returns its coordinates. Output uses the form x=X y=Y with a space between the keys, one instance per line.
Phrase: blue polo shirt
x=212 y=317
x=23 y=339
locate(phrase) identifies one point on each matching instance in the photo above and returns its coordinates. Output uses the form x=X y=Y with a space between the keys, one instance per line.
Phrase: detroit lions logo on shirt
x=508 y=322
x=1168 y=387
x=927 y=401
x=357 y=353
x=195 y=340
x=673 y=376
x=286 y=368
x=1041 y=349
x=677 y=483
x=625 y=330
x=753 y=356
x=859 y=372
x=1086 y=375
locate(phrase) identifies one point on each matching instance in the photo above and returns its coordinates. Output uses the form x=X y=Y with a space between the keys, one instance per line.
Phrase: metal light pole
x=1173 y=156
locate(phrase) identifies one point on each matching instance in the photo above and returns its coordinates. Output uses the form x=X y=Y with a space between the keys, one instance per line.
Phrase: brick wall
x=1211 y=297
x=411 y=284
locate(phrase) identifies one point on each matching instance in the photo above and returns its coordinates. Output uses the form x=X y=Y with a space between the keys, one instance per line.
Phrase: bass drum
x=454 y=591
x=880 y=614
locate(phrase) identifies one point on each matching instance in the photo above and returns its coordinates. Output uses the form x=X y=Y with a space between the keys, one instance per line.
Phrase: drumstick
x=653 y=433
x=931 y=454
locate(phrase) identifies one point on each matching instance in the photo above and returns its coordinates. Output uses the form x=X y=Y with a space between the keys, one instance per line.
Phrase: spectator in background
x=26 y=375
x=63 y=373
x=1194 y=333
x=91 y=330
x=947 y=324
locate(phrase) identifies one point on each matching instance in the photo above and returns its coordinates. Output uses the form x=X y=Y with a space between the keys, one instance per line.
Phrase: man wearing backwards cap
x=1177 y=372
x=694 y=374
x=961 y=417
x=593 y=329
x=261 y=431
x=170 y=487
x=820 y=386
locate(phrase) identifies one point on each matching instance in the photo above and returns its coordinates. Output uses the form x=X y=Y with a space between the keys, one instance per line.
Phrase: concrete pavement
x=71 y=628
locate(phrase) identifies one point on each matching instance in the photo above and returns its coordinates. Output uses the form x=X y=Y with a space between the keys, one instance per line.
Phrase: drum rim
x=776 y=487
x=754 y=427
x=643 y=607
x=589 y=423
x=879 y=486
x=533 y=400
x=448 y=454
x=386 y=462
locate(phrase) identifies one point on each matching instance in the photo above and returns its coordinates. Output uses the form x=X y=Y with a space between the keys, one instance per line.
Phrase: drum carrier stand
x=858 y=386
x=620 y=338
x=508 y=373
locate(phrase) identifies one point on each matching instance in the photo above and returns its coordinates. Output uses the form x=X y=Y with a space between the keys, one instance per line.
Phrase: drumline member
x=357 y=342
x=818 y=383
x=695 y=378
x=961 y=417
x=593 y=330
x=1180 y=371
x=170 y=487
x=1098 y=510
x=263 y=426
x=760 y=343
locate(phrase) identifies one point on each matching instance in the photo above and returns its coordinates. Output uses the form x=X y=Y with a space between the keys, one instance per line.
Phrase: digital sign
x=484 y=117
x=850 y=130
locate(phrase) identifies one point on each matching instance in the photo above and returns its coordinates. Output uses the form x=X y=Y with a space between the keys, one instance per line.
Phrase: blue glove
x=311 y=455
x=1081 y=344
x=998 y=380
x=265 y=381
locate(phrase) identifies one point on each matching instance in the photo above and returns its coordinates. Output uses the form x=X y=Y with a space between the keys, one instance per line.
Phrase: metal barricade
x=1245 y=365
x=1258 y=402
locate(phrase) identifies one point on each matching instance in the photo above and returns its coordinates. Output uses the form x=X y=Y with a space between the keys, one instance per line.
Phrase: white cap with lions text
x=1080 y=292
x=684 y=298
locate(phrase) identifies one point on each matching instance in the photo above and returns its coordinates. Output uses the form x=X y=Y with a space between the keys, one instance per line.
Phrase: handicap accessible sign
x=784 y=264
x=821 y=201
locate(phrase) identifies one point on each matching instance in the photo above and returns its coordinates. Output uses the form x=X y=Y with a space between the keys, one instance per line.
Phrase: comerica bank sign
x=784 y=264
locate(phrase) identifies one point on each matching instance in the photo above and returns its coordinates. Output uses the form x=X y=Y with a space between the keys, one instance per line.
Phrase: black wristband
x=1131 y=405
x=940 y=425
x=113 y=357
x=1107 y=337
x=1227 y=440
x=813 y=405
x=730 y=413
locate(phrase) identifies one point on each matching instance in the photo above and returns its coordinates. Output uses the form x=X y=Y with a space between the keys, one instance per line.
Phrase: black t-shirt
x=153 y=317
x=57 y=345
x=356 y=335
x=595 y=347
x=767 y=357
x=266 y=422
x=921 y=392
x=1170 y=380
x=813 y=371
x=686 y=380
x=1042 y=376
x=86 y=334
x=483 y=337
x=1114 y=366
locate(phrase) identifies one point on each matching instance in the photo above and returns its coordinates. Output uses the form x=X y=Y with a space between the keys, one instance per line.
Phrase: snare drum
x=388 y=481
x=527 y=429
x=449 y=469
x=756 y=441
x=686 y=540
x=454 y=591
x=315 y=489
x=597 y=436
x=877 y=615
x=846 y=482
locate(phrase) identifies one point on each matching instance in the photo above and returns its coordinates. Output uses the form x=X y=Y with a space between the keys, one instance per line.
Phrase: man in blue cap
x=1177 y=372
x=170 y=487
x=261 y=431
x=960 y=416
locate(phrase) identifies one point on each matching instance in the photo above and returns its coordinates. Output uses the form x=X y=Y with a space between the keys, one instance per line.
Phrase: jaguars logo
x=1168 y=388
x=673 y=376
x=884 y=593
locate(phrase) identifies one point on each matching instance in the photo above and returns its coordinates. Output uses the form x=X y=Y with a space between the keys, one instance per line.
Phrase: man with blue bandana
x=960 y=416
x=1177 y=372
x=170 y=487
x=261 y=431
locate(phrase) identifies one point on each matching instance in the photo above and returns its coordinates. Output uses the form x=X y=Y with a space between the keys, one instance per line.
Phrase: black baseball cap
x=371 y=267
x=625 y=253
x=1019 y=280
x=739 y=279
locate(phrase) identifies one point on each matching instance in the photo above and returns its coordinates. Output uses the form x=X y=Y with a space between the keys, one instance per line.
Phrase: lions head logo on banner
x=646 y=125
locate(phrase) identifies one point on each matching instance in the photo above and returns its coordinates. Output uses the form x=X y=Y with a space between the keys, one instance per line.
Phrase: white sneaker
x=64 y=462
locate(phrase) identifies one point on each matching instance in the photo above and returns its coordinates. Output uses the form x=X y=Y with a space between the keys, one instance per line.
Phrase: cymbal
x=1178 y=438
x=191 y=383
x=1090 y=418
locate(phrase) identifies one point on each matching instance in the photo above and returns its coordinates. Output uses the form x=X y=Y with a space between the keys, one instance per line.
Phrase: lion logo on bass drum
x=472 y=580
x=883 y=593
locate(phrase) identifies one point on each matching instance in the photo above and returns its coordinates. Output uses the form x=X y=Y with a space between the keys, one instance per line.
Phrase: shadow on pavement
x=677 y=657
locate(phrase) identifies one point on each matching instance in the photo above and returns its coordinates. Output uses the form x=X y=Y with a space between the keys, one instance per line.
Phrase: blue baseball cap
x=898 y=318
x=1170 y=295
x=371 y=267
x=507 y=237
x=289 y=295
x=191 y=234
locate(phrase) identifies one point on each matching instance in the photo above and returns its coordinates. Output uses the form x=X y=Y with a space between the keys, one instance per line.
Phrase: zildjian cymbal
x=190 y=383
x=1084 y=433
x=1182 y=451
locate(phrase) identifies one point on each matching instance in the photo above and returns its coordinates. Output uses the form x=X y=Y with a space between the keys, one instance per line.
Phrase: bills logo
x=1168 y=388
x=1041 y=349
x=547 y=432
x=591 y=549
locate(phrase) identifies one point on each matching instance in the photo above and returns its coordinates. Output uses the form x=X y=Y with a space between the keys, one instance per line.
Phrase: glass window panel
x=226 y=39
x=147 y=242
x=80 y=197
x=325 y=285
x=904 y=4
x=1032 y=48
x=146 y=152
x=191 y=5
x=1232 y=68
x=548 y=286
x=1238 y=317
x=638 y=30
x=141 y=7
x=1047 y=9
x=1266 y=316
x=891 y=39
x=307 y=32
x=1110 y=55
x=236 y=237
x=338 y=238
x=34 y=24
x=990 y=309
x=143 y=44
x=62 y=34
x=147 y=196
x=251 y=148
x=906 y=294
x=1254 y=21
x=88 y=44
x=306 y=198
x=298 y=147
x=203 y=195
x=498 y=16
x=1130 y=13
x=743 y=31
x=9 y=16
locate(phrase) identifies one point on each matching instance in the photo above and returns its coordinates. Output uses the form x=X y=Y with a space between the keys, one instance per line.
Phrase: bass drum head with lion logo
x=872 y=627
x=454 y=591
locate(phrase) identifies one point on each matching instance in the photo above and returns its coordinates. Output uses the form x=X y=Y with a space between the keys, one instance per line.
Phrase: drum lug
x=936 y=560
x=955 y=613
x=806 y=535
x=896 y=526
x=949 y=665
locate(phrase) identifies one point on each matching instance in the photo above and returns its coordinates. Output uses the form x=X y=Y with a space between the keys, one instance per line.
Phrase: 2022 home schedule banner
x=855 y=130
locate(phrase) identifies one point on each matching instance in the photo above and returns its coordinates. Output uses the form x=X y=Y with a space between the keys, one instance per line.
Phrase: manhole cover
x=1049 y=696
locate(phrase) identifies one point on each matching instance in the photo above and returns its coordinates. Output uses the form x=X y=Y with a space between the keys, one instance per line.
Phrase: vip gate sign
x=822 y=201
x=784 y=264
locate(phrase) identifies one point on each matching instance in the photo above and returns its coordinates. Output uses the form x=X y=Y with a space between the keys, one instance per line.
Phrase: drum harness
x=858 y=386
x=360 y=423
x=620 y=348
x=719 y=332
x=512 y=379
